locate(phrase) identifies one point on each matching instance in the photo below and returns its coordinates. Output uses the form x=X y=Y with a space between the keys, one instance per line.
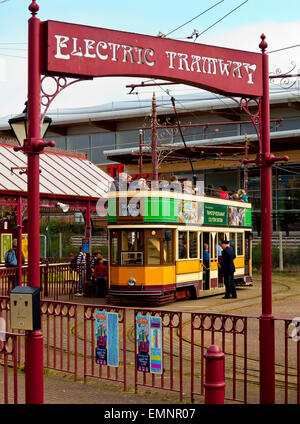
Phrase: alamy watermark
x=295 y=334
x=130 y=202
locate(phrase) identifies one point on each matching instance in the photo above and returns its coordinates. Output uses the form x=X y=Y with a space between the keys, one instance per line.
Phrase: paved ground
x=63 y=390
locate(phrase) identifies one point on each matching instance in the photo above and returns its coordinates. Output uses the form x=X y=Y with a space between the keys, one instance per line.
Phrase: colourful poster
x=85 y=245
x=113 y=340
x=143 y=343
x=101 y=337
x=6 y=244
x=25 y=246
x=156 y=365
x=107 y=340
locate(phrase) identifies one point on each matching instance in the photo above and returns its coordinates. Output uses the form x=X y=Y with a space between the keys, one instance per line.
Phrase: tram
x=156 y=243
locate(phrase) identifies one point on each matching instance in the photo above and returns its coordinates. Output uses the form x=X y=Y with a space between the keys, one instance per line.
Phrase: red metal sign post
x=33 y=146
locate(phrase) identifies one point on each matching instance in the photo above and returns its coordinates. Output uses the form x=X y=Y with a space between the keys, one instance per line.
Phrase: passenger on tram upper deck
x=175 y=184
x=242 y=195
x=188 y=187
x=235 y=196
x=210 y=190
x=163 y=185
x=142 y=184
x=223 y=192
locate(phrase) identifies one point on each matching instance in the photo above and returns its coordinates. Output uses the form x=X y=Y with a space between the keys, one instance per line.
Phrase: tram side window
x=232 y=243
x=239 y=244
x=114 y=251
x=193 y=244
x=168 y=247
x=182 y=244
x=200 y=245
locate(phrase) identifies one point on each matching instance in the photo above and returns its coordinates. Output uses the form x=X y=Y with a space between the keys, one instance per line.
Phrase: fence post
x=280 y=252
x=214 y=376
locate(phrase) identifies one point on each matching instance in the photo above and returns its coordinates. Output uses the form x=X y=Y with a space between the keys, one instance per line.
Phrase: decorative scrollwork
x=60 y=83
x=287 y=80
x=245 y=103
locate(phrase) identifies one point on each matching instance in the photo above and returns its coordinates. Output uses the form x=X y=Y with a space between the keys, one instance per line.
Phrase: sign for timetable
x=106 y=335
x=156 y=358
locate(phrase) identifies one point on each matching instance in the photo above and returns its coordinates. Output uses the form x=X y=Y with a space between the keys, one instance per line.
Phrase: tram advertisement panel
x=215 y=214
x=106 y=334
x=156 y=365
x=236 y=216
x=143 y=343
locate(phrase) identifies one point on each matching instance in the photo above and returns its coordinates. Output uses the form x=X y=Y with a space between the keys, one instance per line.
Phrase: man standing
x=228 y=269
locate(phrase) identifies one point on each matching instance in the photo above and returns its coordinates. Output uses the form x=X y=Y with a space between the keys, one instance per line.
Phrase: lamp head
x=63 y=207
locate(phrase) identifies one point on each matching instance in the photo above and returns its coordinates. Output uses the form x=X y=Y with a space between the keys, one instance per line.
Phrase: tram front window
x=132 y=247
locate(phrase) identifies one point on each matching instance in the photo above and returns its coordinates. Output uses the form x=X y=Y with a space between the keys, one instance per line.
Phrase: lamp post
x=33 y=145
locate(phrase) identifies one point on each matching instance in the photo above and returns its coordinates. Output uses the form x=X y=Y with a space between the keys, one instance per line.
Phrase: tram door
x=206 y=255
x=247 y=252
x=219 y=238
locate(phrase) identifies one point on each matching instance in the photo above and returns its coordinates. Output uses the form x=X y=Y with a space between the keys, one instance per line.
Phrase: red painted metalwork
x=69 y=349
x=9 y=353
x=61 y=83
x=154 y=139
x=141 y=138
x=77 y=50
x=58 y=319
x=230 y=331
x=214 y=376
x=19 y=238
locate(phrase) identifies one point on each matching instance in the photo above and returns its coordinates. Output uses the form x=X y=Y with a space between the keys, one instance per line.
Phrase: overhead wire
x=219 y=20
x=200 y=14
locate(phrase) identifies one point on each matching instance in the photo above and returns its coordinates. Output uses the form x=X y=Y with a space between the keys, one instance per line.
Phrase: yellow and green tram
x=156 y=242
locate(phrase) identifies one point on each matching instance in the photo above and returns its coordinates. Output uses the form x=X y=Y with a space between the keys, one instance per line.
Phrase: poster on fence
x=143 y=343
x=106 y=334
x=156 y=365
x=25 y=246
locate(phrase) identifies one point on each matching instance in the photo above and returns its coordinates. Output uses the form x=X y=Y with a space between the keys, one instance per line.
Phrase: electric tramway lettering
x=107 y=51
x=102 y=50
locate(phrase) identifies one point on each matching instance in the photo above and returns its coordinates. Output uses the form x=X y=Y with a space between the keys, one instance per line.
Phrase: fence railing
x=70 y=347
x=56 y=279
x=9 y=375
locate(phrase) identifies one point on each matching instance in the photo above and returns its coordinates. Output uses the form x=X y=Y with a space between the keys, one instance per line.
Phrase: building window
x=99 y=143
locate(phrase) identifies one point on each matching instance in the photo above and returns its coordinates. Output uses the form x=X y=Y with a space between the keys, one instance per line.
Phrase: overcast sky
x=280 y=22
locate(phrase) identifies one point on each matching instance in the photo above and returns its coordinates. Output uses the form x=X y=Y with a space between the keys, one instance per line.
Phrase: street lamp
x=19 y=125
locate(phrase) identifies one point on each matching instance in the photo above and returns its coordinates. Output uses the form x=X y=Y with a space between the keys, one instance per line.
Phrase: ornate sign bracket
x=60 y=84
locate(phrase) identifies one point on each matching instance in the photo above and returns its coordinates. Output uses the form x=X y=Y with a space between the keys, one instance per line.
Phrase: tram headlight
x=131 y=282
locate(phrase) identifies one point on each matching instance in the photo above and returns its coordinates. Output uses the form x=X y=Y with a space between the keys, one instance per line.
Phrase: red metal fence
x=56 y=279
x=69 y=347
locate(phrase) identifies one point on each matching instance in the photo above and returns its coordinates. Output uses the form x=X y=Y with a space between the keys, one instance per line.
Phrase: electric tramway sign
x=77 y=50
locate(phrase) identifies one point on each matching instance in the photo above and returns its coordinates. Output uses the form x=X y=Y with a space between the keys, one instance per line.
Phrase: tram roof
x=61 y=175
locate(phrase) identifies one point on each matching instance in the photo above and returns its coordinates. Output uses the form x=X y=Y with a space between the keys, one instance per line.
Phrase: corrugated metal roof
x=60 y=174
